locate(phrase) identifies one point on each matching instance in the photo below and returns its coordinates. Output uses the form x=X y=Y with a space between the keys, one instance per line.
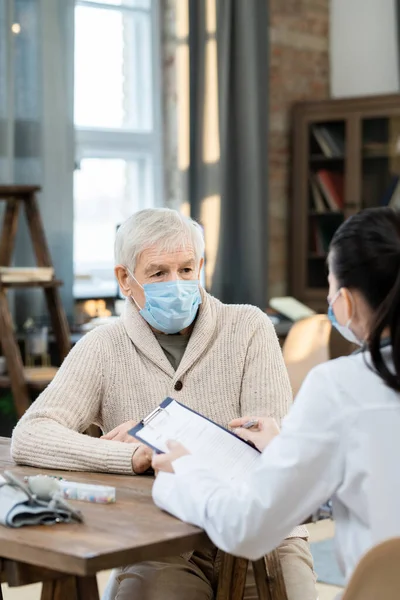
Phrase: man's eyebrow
x=155 y=267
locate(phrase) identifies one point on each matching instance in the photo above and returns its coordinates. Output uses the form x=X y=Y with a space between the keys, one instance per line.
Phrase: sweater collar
x=145 y=341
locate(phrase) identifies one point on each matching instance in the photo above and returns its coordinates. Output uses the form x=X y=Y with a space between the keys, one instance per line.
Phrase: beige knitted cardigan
x=232 y=366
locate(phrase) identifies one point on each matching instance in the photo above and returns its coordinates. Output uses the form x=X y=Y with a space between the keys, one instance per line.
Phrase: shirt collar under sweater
x=146 y=342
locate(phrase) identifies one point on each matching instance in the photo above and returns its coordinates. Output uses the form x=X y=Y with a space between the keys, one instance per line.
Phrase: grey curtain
x=397 y=13
x=240 y=176
x=20 y=92
x=36 y=128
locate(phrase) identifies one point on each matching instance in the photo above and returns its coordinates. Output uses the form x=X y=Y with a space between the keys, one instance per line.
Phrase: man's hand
x=120 y=433
x=141 y=459
x=163 y=462
x=260 y=435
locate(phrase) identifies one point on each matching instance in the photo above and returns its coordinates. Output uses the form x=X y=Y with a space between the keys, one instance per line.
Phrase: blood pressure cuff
x=18 y=509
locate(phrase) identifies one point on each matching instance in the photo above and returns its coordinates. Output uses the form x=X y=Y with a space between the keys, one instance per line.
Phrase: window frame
x=93 y=142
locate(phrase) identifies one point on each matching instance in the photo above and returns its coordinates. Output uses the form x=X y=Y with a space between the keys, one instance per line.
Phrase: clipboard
x=135 y=431
x=219 y=447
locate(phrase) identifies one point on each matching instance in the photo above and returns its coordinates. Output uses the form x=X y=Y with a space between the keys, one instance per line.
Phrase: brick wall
x=299 y=70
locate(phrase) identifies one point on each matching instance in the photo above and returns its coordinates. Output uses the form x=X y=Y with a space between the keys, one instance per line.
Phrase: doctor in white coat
x=341 y=439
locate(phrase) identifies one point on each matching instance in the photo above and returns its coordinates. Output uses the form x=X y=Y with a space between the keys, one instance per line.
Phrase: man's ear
x=200 y=267
x=122 y=277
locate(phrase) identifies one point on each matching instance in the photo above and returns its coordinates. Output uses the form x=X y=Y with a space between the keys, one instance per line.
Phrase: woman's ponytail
x=365 y=256
x=387 y=317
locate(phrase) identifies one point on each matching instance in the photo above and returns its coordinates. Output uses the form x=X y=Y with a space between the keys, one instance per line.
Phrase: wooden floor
x=320 y=531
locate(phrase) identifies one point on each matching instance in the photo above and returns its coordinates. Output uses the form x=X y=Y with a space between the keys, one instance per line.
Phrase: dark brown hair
x=365 y=256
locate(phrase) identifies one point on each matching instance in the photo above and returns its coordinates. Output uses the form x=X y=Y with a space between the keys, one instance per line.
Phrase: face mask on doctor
x=170 y=306
x=344 y=330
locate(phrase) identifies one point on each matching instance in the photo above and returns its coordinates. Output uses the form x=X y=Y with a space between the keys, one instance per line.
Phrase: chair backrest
x=310 y=342
x=377 y=575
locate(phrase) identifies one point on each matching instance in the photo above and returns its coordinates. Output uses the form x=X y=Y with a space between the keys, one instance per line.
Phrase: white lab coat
x=341 y=440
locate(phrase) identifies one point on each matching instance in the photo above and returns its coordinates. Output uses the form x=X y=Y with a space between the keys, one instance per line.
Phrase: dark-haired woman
x=341 y=440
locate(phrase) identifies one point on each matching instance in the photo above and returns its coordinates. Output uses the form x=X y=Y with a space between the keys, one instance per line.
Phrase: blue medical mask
x=344 y=330
x=171 y=306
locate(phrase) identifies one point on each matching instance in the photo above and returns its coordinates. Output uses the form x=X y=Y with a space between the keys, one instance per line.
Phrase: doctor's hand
x=260 y=435
x=163 y=462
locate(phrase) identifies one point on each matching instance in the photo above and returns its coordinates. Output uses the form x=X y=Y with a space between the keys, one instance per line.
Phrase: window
x=118 y=130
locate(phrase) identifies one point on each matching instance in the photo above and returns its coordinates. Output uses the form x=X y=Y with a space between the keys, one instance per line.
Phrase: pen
x=249 y=424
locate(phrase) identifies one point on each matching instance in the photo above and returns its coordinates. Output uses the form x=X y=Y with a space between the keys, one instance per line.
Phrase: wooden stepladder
x=20 y=379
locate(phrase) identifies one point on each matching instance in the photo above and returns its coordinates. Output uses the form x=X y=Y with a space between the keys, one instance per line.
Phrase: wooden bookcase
x=346 y=157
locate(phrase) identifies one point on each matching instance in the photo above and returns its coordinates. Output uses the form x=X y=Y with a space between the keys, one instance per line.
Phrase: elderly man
x=173 y=339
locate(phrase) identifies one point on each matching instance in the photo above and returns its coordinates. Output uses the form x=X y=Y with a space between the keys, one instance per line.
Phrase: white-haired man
x=173 y=339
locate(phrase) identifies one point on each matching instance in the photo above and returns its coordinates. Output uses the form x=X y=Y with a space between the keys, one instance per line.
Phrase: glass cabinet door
x=326 y=194
x=380 y=156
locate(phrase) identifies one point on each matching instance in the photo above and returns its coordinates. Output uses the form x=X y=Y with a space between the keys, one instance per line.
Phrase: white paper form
x=225 y=453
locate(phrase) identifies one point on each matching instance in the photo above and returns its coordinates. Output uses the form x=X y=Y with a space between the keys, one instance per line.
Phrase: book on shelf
x=331 y=185
x=26 y=274
x=330 y=140
x=319 y=204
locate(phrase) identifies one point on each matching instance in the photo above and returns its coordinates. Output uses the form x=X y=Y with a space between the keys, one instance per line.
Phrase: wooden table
x=67 y=557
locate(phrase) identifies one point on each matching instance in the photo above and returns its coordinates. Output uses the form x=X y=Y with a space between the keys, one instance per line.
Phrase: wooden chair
x=310 y=342
x=377 y=576
x=268 y=579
